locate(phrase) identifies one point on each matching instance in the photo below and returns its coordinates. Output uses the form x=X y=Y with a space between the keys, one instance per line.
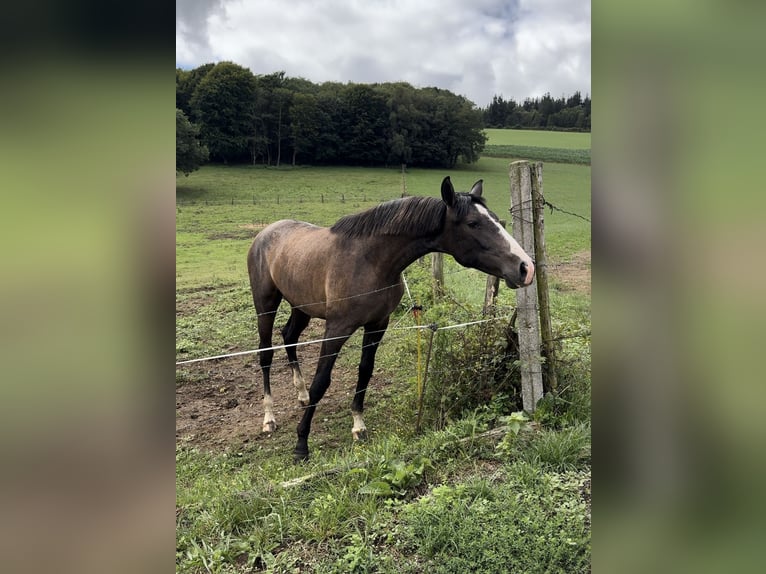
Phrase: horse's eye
x=473 y=224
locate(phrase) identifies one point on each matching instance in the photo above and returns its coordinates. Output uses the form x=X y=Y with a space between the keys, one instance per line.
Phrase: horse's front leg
x=370 y=343
x=327 y=356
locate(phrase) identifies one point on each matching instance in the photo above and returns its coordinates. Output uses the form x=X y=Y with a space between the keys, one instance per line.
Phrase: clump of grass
x=517 y=526
x=551 y=450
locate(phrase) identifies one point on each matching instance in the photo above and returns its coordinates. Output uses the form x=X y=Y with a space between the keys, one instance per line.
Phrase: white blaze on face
x=513 y=245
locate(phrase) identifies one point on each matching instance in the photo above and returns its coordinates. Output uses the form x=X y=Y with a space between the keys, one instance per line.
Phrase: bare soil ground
x=574 y=274
x=219 y=403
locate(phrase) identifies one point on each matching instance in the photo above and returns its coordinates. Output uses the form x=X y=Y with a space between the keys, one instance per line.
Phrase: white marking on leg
x=358 y=430
x=269 y=422
x=300 y=385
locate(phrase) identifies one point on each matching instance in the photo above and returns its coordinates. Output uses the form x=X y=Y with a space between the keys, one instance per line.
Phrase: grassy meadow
x=456 y=497
x=216 y=205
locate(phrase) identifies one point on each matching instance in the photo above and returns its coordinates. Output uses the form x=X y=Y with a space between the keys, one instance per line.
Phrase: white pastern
x=359 y=431
x=300 y=385
x=269 y=422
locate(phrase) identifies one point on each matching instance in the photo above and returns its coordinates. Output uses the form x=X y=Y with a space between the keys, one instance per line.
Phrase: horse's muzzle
x=527 y=272
x=525 y=276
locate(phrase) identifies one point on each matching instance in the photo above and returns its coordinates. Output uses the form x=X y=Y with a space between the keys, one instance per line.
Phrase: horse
x=349 y=274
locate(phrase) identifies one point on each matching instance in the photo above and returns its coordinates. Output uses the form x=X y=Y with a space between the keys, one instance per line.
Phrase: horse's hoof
x=360 y=435
x=303 y=400
x=300 y=457
x=269 y=427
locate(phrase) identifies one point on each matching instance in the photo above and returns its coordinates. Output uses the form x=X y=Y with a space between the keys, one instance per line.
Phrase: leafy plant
x=398 y=477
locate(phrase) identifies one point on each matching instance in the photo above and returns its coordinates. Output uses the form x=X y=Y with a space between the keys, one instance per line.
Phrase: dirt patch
x=203 y=288
x=245 y=231
x=238 y=234
x=574 y=274
x=190 y=306
x=219 y=404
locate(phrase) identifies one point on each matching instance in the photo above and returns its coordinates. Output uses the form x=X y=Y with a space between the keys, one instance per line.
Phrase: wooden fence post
x=526 y=297
x=550 y=381
x=437 y=270
x=490 y=295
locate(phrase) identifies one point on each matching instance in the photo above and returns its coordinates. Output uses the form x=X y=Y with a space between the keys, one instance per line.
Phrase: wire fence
x=275 y=200
x=393 y=332
x=395 y=336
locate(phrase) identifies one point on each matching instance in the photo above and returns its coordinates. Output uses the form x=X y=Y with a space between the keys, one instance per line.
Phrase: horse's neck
x=396 y=253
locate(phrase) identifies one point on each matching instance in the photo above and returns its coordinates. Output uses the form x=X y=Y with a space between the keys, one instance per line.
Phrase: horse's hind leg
x=290 y=334
x=267 y=311
x=370 y=342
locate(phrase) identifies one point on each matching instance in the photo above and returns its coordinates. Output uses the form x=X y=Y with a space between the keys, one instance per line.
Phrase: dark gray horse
x=350 y=276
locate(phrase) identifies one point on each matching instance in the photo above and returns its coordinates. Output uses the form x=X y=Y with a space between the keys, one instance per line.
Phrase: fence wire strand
x=515 y=211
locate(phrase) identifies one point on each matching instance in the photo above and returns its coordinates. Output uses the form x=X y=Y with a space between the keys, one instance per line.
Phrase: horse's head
x=475 y=238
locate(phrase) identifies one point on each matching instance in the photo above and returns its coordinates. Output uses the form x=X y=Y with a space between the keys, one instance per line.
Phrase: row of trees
x=572 y=113
x=274 y=119
x=190 y=153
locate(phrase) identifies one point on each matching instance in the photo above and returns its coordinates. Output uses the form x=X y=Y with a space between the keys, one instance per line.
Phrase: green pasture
x=446 y=500
x=219 y=209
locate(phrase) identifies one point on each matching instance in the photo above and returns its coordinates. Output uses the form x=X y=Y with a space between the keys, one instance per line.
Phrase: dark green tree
x=572 y=113
x=404 y=122
x=190 y=153
x=305 y=125
x=364 y=127
x=223 y=105
x=330 y=109
x=186 y=83
x=243 y=117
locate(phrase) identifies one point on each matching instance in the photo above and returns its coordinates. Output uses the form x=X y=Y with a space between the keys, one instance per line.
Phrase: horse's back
x=292 y=257
x=322 y=272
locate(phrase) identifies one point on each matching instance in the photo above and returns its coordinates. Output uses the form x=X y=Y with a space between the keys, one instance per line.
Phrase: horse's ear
x=477 y=188
x=448 y=192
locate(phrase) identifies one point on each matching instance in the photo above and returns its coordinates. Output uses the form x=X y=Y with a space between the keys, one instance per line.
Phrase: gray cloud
x=192 y=30
x=476 y=48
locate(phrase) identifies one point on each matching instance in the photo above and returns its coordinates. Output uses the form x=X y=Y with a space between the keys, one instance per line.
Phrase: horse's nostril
x=523 y=270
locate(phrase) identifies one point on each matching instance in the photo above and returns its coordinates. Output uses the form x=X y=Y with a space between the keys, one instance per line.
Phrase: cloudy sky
x=476 y=48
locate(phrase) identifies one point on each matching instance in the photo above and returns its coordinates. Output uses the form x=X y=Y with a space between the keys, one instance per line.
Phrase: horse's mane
x=408 y=216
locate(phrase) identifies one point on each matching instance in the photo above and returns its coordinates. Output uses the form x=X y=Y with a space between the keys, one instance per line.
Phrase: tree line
x=227 y=114
x=566 y=114
x=274 y=119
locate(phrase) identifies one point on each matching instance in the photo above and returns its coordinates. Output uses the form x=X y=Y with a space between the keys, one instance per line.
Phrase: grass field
x=218 y=208
x=454 y=498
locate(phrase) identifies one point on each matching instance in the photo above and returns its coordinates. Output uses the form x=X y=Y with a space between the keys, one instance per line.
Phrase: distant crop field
x=546 y=146
x=538 y=138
